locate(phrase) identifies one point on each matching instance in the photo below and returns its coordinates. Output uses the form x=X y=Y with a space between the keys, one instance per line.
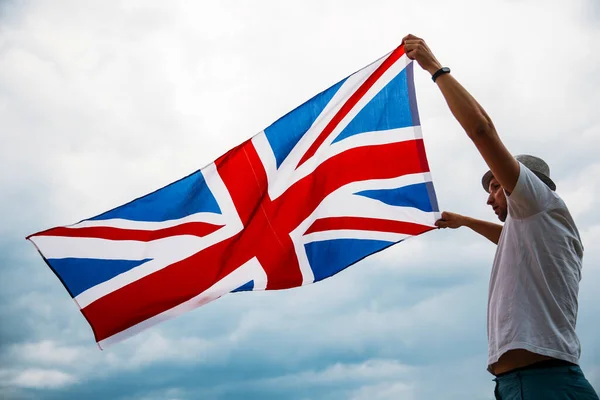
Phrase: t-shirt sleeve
x=530 y=196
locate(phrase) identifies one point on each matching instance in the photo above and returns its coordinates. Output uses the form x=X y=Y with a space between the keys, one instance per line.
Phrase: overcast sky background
x=104 y=101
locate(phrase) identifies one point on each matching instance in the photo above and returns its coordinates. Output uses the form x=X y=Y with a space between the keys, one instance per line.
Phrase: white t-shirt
x=535 y=277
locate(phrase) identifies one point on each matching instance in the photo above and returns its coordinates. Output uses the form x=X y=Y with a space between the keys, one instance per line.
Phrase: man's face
x=497 y=200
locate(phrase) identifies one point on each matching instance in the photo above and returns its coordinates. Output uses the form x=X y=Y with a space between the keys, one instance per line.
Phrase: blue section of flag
x=417 y=196
x=247 y=287
x=285 y=133
x=80 y=274
x=187 y=196
x=328 y=257
x=389 y=109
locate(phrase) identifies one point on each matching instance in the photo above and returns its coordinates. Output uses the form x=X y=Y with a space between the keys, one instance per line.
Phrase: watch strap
x=439 y=72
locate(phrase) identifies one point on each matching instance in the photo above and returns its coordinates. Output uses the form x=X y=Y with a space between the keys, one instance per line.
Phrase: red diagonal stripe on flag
x=367 y=224
x=199 y=229
x=351 y=102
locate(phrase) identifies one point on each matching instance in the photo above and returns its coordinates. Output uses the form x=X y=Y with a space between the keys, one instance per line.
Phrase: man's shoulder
x=531 y=196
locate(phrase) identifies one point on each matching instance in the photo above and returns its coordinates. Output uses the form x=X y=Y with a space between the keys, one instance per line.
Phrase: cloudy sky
x=104 y=101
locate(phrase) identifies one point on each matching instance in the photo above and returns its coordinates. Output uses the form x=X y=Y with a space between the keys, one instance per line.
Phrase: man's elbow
x=482 y=130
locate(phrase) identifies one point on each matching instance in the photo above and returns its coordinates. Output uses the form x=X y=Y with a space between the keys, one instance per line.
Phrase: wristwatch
x=441 y=71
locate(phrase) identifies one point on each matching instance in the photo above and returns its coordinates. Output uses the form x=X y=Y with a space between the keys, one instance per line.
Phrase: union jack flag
x=341 y=177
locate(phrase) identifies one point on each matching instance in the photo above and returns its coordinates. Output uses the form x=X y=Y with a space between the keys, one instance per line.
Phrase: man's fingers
x=409 y=46
x=410 y=49
x=413 y=48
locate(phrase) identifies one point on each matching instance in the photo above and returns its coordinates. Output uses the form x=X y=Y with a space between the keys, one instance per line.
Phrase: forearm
x=467 y=111
x=489 y=230
x=480 y=129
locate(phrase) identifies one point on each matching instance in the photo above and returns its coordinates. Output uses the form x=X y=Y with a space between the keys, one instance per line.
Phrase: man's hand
x=416 y=49
x=451 y=220
x=487 y=229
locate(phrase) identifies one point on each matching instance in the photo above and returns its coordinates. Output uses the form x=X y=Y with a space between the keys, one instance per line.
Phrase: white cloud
x=36 y=378
x=385 y=391
x=155 y=348
x=379 y=377
x=165 y=394
x=69 y=363
x=49 y=352
x=371 y=370
x=582 y=191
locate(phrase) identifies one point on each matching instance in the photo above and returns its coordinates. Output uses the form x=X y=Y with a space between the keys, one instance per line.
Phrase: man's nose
x=490 y=199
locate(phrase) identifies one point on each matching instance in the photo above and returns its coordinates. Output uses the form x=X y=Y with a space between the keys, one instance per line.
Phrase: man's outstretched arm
x=471 y=116
x=486 y=229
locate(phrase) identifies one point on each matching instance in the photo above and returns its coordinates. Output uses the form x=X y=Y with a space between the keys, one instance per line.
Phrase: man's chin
x=500 y=214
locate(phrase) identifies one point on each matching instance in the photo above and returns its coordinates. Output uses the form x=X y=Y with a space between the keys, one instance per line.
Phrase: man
x=533 y=349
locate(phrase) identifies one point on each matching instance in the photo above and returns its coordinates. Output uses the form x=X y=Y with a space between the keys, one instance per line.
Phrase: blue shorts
x=545 y=383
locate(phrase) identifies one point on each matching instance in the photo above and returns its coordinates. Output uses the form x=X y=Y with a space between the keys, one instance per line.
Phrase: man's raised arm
x=471 y=116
